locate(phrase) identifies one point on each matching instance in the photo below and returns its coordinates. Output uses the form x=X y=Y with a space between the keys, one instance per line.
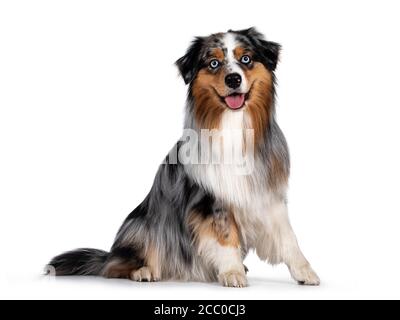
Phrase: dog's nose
x=233 y=80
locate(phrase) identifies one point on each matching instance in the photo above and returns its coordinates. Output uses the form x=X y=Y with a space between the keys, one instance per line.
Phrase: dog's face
x=229 y=71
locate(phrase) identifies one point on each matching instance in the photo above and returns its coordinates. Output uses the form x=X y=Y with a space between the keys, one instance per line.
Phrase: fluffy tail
x=88 y=262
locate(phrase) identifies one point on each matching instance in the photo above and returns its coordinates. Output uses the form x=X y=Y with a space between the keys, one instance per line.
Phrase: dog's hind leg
x=217 y=241
x=122 y=262
x=151 y=271
x=138 y=265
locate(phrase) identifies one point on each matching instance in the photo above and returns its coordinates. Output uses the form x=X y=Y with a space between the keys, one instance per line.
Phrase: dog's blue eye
x=214 y=63
x=245 y=59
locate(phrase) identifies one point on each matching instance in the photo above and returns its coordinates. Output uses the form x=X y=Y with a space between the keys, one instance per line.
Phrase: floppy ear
x=270 y=54
x=267 y=51
x=189 y=64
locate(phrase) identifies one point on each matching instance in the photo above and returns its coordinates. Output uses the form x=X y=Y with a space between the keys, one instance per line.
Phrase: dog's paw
x=233 y=279
x=143 y=274
x=305 y=275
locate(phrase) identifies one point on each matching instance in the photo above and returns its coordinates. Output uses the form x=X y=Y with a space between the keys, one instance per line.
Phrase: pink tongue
x=234 y=101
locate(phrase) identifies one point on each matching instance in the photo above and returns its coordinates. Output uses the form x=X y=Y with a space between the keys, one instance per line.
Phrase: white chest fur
x=223 y=177
x=247 y=193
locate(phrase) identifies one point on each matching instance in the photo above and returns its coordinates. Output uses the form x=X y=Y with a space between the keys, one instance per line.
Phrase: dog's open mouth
x=235 y=101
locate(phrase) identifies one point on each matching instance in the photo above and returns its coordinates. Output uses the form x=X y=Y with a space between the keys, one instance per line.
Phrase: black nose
x=233 y=80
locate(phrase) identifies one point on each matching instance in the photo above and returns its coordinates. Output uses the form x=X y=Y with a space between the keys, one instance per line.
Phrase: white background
x=90 y=103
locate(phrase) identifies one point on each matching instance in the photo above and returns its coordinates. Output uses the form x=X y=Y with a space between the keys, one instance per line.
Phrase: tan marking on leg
x=153 y=262
x=143 y=274
x=226 y=231
x=118 y=269
x=222 y=227
x=218 y=243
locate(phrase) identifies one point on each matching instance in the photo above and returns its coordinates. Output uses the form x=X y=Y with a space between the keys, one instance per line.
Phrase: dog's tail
x=84 y=262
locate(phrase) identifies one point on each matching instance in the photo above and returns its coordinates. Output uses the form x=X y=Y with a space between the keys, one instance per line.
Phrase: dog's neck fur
x=270 y=155
x=259 y=117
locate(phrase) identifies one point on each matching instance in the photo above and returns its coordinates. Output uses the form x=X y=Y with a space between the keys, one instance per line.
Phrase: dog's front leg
x=279 y=244
x=218 y=243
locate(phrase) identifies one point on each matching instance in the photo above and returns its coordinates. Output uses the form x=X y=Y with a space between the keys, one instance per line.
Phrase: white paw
x=143 y=274
x=305 y=275
x=233 y=279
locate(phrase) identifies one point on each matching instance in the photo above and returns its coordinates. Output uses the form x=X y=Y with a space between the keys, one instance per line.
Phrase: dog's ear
x=267 y=51
x=271 y=52
x=189 y=64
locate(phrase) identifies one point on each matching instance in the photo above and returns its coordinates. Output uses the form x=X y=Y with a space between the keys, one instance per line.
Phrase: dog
x=201 y=218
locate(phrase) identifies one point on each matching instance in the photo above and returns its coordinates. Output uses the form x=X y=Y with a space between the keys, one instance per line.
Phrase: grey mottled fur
x=161 y=221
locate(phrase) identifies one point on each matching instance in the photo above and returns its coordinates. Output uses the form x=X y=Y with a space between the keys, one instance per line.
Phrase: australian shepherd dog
x=221 y=191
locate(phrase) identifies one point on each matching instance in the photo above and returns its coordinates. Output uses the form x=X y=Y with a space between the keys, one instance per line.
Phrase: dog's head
x=229 y=71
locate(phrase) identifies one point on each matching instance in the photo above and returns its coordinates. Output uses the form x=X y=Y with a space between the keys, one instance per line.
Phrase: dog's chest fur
x=247 y=195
